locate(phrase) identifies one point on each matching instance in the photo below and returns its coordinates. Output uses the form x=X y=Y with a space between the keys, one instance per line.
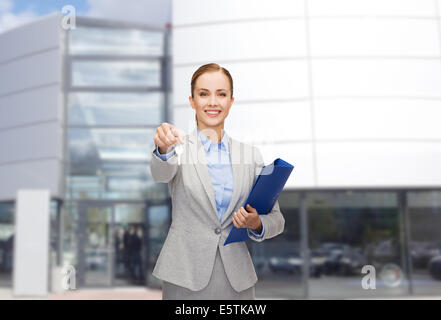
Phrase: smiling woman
x=208 y=190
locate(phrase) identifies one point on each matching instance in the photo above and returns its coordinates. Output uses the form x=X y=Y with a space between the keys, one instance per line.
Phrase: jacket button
x=217 y=230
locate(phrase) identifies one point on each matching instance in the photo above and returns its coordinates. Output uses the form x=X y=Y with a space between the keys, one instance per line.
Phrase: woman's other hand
x=247 y=219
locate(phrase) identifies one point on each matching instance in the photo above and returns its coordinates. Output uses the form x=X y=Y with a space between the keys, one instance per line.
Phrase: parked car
x=351 y=263
x=342 y=260
x=435 y=267
x=292 y=263
x=317 y=263
x=285 y=262
x=387 y=251
x=422 y=252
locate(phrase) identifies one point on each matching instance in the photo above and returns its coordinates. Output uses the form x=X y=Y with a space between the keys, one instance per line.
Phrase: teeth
x=213 y=112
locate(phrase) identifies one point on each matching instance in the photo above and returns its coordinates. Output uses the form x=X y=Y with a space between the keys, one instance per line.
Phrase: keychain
x=179 y=149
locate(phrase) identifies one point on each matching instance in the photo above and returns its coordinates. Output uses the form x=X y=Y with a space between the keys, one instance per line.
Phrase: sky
x=42 y=7
x=17 y=12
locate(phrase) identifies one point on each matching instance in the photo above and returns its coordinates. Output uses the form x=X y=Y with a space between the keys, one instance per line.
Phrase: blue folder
x=263 y=195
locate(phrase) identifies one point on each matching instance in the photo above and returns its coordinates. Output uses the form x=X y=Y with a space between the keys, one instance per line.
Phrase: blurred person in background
x=136 y=256
x=126 y=252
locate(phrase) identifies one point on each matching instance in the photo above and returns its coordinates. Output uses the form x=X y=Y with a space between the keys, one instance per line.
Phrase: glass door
x=112 y=244
x=130 y=244
x=96 y=252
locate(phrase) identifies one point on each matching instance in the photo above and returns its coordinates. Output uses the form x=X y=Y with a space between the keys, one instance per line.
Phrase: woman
x=208 y=185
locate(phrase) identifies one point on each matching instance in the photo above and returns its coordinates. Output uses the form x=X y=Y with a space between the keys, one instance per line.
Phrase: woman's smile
x=212 y=113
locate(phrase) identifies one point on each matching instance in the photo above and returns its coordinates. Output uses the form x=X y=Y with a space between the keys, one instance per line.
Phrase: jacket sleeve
x=274 y=221
x=163 y=171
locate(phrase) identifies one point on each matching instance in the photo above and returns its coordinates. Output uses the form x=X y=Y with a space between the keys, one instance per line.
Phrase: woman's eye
x=203 y=94
x=223 y=94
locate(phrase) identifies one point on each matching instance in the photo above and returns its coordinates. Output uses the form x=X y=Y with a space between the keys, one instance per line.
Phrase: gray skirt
x=218 y=288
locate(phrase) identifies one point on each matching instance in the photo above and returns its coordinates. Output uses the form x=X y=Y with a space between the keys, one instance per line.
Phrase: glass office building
x=116 y=94
x=111 y=90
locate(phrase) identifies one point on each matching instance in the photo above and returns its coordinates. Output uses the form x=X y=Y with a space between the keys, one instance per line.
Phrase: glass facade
x=6 y=243
x=277 y=261
x=348 y=230
x=116 y=96
x=116 y=73
x=109 y=108
x=395 y=232
x=97 y=40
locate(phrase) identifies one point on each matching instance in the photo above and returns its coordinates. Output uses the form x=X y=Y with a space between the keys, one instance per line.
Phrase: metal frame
x=113 y=89
x=114 y=57
x=405 y=238
x=304 y=243
x=115 y=24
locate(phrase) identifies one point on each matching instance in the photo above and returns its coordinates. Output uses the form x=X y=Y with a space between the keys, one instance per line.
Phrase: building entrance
x=113 y=248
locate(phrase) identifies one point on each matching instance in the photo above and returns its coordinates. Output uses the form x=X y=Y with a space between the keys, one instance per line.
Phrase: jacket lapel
x=235 y=156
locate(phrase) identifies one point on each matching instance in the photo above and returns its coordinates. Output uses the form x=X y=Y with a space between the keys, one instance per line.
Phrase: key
x=179 y=149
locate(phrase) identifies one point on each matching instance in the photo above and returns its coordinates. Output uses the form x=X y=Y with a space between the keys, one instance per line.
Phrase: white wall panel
x=377 y=119
x=31 y=243
x=264 y=80
x=245 y=40
x=297 y=154
x=270 y=122
x=183 y=118
x=378 y=164
x=32 y=71
x=202 y=11
x=31 y=106
x=36 y=174
x=372 y=7
x=31 y=113
x=364 y=77
x=41 y=34
x=370 y=36
x=375 y=75
x=32 y=142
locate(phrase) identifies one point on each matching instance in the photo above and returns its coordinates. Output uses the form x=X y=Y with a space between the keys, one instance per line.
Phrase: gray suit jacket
x=188 y=254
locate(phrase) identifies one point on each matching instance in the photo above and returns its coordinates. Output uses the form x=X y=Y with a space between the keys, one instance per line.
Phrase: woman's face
x=212 y=99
